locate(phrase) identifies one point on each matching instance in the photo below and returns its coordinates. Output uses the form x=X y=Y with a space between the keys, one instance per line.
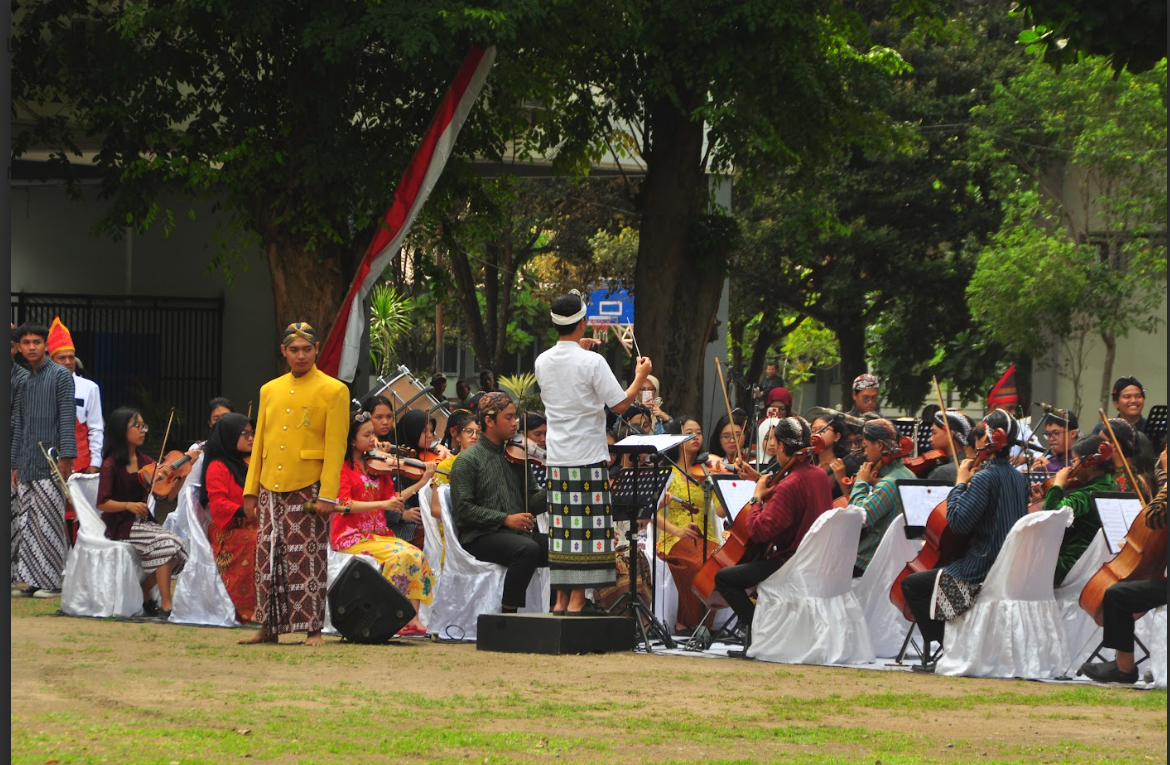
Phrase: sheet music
x=918 y=501
x=660 y=443
x=734 y=493
x=1117 y=515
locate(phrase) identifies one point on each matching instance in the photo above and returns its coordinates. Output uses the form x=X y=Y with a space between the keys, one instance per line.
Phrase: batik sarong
x=157 y=545
x=40 y=542
x=235 y=558
x=291 y=563
x=580 y=535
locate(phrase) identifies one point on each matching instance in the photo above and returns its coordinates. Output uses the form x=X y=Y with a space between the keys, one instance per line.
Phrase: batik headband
x=864 y=382
x=793 y=432
x=493 y=402
x=299 y=329
x=960 y=427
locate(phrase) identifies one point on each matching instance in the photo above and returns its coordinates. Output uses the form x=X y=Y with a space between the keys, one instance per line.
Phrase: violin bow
x=249 y=414
x=727 y=403
x=947 y=423
x=1137 y=487
x=163 y=450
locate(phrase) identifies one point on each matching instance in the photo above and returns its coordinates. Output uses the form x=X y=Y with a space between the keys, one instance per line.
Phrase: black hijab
x=410 y=428
x=221 y=447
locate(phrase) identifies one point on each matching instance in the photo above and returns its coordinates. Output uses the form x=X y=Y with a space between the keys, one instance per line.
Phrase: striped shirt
x=984 y=511
x=486 y=488
x=44 y=411
x=879 y=503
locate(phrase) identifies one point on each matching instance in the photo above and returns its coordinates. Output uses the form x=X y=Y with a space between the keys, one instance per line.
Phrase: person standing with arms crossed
x=300 y=444
x=575 y=386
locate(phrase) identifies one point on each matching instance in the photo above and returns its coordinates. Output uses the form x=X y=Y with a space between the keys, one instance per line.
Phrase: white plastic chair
x=887 y=626
x=1081 y=632
x=200 y=594
x=1157 y=646
x=807 y=613
x=103 y=577
x=1015 y=628
x=471 y=587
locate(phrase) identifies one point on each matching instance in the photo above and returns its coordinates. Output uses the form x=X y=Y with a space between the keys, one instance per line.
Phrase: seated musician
x=680 y=523
x=1090 y=477
x=961 y=427
x=358 y=526
x=1125 y=599
x=778 y=403
x=382 y=414
x=1129 y=399
x=495 y=521
x=874 y=490
x=462 y=432
x=983 y=506
x=1061 y=432
x=414 y=432
x=728 y=441
x=534 y=426
x=1136 y=448
x=231 y=532
x=766 y=459
x=122 y=499
x=781 y=515
x=839 y=464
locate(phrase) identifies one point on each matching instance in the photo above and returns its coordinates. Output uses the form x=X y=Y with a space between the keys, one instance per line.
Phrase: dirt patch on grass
x=527 y=707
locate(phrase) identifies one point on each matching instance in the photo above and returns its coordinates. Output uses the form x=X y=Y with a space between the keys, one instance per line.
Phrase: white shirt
x=89 y=413
x=575 y=386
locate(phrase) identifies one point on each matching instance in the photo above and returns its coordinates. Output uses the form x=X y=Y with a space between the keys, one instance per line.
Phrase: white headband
x=564 y=321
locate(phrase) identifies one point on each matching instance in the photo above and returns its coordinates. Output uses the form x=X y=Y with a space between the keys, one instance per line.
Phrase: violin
x=941 y=545
x=921 y=465
x=517 y=454
x=166 y=486
x=421 y=455
x=380 y=463
x=1075 y=478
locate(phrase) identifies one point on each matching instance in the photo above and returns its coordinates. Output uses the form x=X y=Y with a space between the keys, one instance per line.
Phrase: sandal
x=560 y=613
x=410 y=631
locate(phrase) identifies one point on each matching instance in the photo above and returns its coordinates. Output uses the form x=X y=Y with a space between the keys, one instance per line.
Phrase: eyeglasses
x=469 y=431
x=729 y=437
x=1054 y=436
x=141 y=426
x=248 y=434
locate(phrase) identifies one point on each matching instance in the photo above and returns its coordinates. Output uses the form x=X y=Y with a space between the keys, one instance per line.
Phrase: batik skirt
x=234 y=549
x=291 y=563
x=40 y=535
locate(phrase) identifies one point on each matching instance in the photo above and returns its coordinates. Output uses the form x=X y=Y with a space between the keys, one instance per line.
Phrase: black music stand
x=1156 y=427
x=634 y=496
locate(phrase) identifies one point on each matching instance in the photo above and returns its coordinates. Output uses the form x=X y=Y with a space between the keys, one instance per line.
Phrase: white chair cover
x=1157 y=646
x=887 y=626
x=200 y=595
x=665 y=607
x=1015 y=628
x=807 y=613
x=1081 y=632
x=182 y=526
x=336 y=562
x=103 y=577
x=433 y=540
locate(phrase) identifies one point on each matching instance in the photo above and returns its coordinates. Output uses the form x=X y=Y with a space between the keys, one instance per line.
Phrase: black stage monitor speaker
x=364 y=607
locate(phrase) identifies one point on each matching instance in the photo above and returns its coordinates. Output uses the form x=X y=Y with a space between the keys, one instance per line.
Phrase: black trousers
x=918 y=589
x=1121 y=602
x=733 y=583
x=521 y=555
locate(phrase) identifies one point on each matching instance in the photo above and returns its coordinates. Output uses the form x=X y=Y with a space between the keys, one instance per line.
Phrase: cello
x=1142 y=555
x=941 y=545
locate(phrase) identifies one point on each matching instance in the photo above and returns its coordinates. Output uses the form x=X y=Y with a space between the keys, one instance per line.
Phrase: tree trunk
x=677 y=294
x=851 y=337
x=1110 y=340
x=305 y=287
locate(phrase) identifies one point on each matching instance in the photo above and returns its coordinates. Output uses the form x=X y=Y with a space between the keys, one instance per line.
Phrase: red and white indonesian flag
x=339 y=355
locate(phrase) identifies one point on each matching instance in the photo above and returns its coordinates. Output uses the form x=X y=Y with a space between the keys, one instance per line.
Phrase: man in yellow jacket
x=301 y=427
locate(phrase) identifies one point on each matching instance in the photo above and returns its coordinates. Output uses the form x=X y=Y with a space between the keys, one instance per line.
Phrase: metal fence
x=152 y=353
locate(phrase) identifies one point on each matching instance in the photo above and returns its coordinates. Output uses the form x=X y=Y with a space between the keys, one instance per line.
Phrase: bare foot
x=259 y=637
x=315 y=638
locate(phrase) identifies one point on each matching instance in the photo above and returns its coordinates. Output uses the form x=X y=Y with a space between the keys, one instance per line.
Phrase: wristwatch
x=754 y=500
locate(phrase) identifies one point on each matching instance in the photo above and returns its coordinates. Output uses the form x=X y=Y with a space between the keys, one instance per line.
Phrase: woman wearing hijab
x=231 y=533
x=416 y=431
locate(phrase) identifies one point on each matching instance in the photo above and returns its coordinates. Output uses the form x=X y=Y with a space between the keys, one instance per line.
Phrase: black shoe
x=926 y=667
x=684 y=632
x=747 y=643
x=1107 y=672
x=150 y=608
x=164 y=614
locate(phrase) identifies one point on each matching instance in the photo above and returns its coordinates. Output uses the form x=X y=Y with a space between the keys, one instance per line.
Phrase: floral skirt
x=403 y=565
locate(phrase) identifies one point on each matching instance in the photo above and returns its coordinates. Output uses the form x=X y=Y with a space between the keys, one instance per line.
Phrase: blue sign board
x=610 y=306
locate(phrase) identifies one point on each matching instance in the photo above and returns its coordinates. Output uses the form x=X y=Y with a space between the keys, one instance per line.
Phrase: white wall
x=53 y=251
